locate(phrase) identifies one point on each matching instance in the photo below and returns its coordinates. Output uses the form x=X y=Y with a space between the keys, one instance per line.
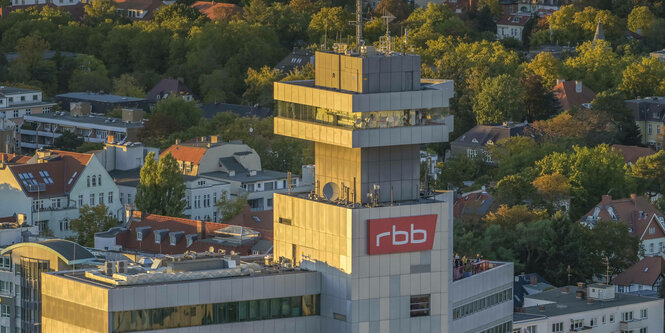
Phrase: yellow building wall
x=338 y=165
x=319 y=231
x=654 y=136
x=72 y=306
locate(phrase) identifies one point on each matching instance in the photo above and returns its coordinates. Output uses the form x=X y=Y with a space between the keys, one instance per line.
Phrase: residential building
x=643 y=220
x=14 y=230
x=660 y=55
x=210 y=110
x=195 y=293
x=21 y=269
x=528 y=284
x=138 y=10
x=573 y=95
x=475 y=141
x=368 y=129
x=297 y=59
x=512 y=26
x=541 y=7
x=8 y=134
x=473 y=206
x=18 y=102
x=51 y=187
x=56 y=3
x=101 y=102
x=169 y=87
x=645 y=276
x=633 y=153
x=217 y=11
x=234 y=163
x=40 y=130
x=649 y=113
x=157 y=234
x=592 y=308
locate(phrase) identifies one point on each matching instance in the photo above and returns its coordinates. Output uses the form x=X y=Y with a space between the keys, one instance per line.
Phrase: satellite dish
x=331 y=191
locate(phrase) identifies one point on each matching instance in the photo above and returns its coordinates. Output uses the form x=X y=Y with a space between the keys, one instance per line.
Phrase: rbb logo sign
x=401 y=234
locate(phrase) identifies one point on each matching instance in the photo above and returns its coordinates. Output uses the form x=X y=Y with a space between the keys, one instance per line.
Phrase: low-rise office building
x=18 y=102
x=593 y=308
x=101 y=102
x=41 y=130
x=196 y=293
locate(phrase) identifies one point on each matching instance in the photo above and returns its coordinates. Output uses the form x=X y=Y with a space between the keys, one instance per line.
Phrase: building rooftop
x=490 y=134
x=557 y=302
x=632 y=153
x=130 y=177
x=261 y=175
x=168 y=87
x=68 y=251
x=175 y=269
x=67 y=119
x=572 y=94
x=13 y=90
x=514 y=20
x=645 y=272
x=636 y=212
x=296 y=59
x=217 y=11
x=473 y=205
x=97 y=97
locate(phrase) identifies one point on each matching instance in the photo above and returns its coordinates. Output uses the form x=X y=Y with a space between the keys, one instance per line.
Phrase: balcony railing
x=461 y=270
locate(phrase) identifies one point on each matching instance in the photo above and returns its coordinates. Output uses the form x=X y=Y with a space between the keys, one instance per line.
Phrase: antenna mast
x=359 y=24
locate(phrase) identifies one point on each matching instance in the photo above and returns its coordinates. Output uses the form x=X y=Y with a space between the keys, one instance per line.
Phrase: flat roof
x=425 y=84
x=105 y=98
x=65 y=118
x=261 y=175
x=567 y=303
x=14 y=90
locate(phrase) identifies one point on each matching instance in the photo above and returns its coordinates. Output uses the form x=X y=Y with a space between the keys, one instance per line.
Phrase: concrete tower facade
x=385 y=252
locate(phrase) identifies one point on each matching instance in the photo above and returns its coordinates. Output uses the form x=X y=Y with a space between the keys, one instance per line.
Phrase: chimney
x=137 y=215
x=177 y=141
x=110 y=139
x=201 y=229
x=533 y=280
x=578 y=87
x=607 y=198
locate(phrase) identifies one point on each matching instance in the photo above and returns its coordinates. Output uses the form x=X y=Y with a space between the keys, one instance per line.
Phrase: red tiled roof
x=514 y=20
x=128 y=240
x=14 y=158
x=645 y=272
x=185 y=153
x=148 y=5
x=473 y=205
x=632 y=153
x=263 y=225
x=569 y=98
x=217 y=11
x=635 y=212
x=64 y=169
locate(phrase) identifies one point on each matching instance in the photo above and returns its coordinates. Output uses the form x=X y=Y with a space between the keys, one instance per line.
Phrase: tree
x=127 y=85
x=260 y=86
x=514 y=190
x=493 y=6
x=91 y=220
x=89 y=146
x=460 y=168
x=331 y=21
x=499 y=100
x=640 y=19
x=100 y=11
x=553 y=187
x=596 y=65
x=539 y=101
x=612 y=240
x=230 y=208
x=584 y=126
x=68 y=141
x=90 y=75
x=649 y=173
x=513 y=215
x=545 y=65
x=210 y=88
x=162 y=187
x=644 y=78
x=185 y=114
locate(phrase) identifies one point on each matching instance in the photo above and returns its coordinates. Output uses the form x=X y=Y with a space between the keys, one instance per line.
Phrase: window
x=643 y=313
x=6 y=263
x=530 y=329
x=612 y=318
x=94 y=180
x=643 y=330
x=34 y=97
x=284 y=221
x=650 y=130
x=92 y=199
x=627 y=316
x=593 y=322
x=88 y=181
x=483 y=303
x=22 y=98
x=652 y=230
x=101 y=198
x=80 y=200
x=603 y=319
x=99 y=177
x=557 y=327
x=129 y=198
x=471 y=153
x=110 y=197
x=5 y=311
x=575 y=324
x=419 y=305
x=269 y=204
x=55 y=203
x=15 y=113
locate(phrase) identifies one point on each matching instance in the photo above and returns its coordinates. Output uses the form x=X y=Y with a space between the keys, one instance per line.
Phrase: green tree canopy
x=91 y=220
x=162 y=188
x=644 y=78
x=230 y=207
x=127 y=85
x=649 y=173
x=499 y=100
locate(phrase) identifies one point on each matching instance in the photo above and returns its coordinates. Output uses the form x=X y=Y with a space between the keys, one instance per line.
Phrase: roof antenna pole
x=359 y=24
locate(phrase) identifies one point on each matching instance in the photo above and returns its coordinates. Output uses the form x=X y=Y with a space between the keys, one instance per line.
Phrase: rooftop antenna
x=385 y=40
x=406 y=40
x=359 y=25
x=606 y=260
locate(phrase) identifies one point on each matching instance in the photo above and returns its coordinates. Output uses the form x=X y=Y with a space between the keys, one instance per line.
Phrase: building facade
x=18 y=102
x=385 y=252
x=649 y=113
x=51 y=187
x=475 y=141
x=101 y=102
x=8 y=135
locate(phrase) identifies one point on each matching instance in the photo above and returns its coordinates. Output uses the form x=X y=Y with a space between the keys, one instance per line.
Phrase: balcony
x=632 y=325
x=461 y=271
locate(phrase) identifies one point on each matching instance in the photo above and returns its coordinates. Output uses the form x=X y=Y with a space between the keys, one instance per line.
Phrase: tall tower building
x=384 y=251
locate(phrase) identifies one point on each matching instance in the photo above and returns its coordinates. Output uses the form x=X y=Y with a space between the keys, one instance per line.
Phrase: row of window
x=96 y=180
x=483 y=303
x=501 y=328
x=217 y=313
x=100 y=199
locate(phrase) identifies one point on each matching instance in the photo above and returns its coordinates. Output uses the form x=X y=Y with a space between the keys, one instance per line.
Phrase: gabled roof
x=296 y=59
x=217 y=11
x=147 y=5
x=569 y=97
x=514 y=20
x=632 y=153
x=14 y=158
x=474 y=205
x=168 y=87
x=645 y=272
x=58 y=174
x=186 y=153
x=636 y=212
x=482 y=134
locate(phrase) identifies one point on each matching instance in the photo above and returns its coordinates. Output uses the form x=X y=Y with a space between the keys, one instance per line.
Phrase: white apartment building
x=18 y=102
x=595 y=308
x=51 y=187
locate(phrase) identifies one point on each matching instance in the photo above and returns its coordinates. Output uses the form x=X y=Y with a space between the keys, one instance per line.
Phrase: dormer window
x=652 y=230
